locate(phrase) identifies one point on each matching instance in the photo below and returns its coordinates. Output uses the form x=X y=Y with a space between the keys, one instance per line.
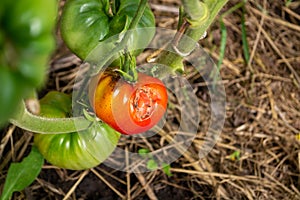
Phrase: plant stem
x=114 y=7
x=196 y=11
x=27 y=121
x=174 y=55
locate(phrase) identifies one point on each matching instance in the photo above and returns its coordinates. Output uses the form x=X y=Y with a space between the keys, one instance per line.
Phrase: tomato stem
x=127 y=77
x=128 y=67
x=196 y=12
x=192 y=28
x=37 y=124
x=114 y=7
x=123 y=43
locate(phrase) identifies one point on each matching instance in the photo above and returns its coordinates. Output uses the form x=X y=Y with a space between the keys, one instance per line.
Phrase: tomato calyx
x=128 y=68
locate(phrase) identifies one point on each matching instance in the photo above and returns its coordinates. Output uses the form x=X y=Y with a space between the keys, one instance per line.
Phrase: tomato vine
x=195 y=25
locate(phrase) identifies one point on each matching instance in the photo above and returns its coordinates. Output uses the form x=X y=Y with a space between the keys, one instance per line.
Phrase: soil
x=257 y=155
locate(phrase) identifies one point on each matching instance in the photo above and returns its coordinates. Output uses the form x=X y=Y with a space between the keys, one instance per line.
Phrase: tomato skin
x=129 y=108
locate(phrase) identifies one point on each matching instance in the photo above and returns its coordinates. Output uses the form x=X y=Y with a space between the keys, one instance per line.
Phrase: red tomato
x=129 y=108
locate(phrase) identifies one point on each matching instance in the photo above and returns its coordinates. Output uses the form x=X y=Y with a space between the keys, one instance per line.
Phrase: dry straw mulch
x=258 y=153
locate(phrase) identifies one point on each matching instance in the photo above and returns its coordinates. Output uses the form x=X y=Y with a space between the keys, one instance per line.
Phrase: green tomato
x=28 y=27
x=11 y=93
x=26 y=42
x=79 y=150
x=85 y=23
x=26 y=20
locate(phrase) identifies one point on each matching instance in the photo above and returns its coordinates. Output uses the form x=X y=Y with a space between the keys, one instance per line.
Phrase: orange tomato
x=129 y=108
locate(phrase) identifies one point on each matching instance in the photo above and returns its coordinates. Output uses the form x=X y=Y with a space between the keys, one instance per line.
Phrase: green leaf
x=166 y=169
x=20 y=175
x=236 y=155
x=223 y=43
x=288 y=2
x=224 y=32
x=244 y=36
x=152 y=165
x=143 y=152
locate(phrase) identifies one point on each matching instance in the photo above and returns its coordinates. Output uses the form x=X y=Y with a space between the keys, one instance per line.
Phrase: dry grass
x=262 y=121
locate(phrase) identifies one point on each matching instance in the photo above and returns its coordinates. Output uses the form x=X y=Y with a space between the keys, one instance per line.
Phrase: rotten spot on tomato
x=126 y=107
x=143 y=103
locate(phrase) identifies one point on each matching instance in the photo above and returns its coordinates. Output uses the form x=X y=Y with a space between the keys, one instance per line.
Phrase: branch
x=205 y=13
x=37 y=124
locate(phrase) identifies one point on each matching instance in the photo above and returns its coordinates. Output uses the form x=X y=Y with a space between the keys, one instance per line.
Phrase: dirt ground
x=258 y=153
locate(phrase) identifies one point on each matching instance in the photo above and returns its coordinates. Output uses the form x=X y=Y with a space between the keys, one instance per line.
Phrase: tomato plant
x=76 y=150
x=85 y=23
x=26 y=43
x=129 y=108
